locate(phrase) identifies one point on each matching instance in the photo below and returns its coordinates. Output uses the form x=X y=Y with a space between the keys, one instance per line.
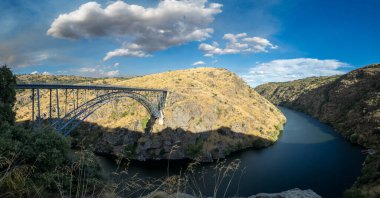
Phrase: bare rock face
x=294 y=193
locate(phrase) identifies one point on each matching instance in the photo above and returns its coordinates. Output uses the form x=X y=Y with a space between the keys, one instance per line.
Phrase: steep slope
x=206 y=99
x=209 y=113
x=350 y=103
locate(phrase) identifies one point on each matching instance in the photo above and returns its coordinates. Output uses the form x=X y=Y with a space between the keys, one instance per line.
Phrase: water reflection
x=301 y=129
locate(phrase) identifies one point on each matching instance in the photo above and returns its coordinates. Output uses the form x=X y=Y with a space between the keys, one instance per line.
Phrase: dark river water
x=308 y=155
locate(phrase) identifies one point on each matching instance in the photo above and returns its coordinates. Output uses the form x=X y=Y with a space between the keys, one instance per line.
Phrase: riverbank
x=294 y=161
x=350 y=103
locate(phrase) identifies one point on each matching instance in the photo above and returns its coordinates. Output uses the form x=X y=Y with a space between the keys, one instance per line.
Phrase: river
x=308 y=155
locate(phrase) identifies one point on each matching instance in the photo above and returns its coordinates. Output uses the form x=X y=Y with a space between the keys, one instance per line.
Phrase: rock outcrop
x=350 y=103
x=293 y=193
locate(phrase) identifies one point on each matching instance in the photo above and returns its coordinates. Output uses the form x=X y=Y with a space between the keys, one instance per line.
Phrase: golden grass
x=200 y=99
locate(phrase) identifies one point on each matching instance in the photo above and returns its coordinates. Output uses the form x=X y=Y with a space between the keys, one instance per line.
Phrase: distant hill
x=63 y=79
x=350 y=103
x=209 y=113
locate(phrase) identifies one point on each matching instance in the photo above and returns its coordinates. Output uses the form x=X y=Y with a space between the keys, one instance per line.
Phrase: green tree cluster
x=7 y=95
x=28 y=159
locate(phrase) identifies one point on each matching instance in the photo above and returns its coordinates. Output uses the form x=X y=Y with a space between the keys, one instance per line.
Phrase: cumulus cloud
x=199 y=63
x=97 y=72
x=291 y=69
x=170 y=23
x=238 y=43
x=43 y=73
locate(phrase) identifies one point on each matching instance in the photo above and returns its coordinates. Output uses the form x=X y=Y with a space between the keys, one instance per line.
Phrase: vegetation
x=7 y=96
x=40 y=163
x=353 y=193
x=64 y=79
x=144 y=122
x=195 y=149
x=199 y=103
x=130 y=151
x=31 y=161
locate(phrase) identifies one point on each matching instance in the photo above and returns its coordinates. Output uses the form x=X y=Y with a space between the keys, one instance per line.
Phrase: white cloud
x=98 y=71
x=46 y=73
x=125 y=53
x=112 y=73
x=199 y=63
x=171 y=23
x=34 y=72
x=237 y=43
x=116 y=64
x=291 y=69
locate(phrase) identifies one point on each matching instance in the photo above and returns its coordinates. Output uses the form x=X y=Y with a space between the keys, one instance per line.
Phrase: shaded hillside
x=209 y=113
x=350 y=103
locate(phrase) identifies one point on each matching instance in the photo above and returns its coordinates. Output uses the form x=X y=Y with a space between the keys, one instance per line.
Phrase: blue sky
x=260 y=40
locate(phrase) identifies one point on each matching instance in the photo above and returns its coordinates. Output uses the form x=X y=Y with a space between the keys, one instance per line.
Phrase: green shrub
x=32 y=162
x=130 y=151
x=353 y=193
x=194 y=150
x=144 y=122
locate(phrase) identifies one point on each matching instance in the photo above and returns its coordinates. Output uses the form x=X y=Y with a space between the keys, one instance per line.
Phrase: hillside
x=350 y=103
x=63 y=79
x=209 y=113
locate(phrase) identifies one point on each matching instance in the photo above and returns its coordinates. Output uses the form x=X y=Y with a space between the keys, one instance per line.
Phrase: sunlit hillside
x=200 y=100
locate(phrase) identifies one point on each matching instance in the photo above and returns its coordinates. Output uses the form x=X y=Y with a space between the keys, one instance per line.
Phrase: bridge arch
x=152 y=99
x=72 y=119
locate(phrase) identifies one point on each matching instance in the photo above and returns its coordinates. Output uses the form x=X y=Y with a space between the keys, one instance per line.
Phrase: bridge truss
x=80 y=101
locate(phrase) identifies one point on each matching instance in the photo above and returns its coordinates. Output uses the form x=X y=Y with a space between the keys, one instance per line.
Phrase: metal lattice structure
x=83 y=106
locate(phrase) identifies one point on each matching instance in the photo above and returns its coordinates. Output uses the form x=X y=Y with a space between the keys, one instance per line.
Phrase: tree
x=7 y=96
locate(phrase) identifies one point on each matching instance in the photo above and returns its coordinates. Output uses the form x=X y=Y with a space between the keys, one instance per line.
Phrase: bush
x=144 y=122
x=194 y=150
x=28 y=159
x=130 y=151
x=353 y=193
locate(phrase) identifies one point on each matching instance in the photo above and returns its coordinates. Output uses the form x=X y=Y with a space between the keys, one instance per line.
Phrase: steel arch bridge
x=80 y=101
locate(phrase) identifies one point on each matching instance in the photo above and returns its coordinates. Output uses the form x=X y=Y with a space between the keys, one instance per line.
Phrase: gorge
x=212 y=114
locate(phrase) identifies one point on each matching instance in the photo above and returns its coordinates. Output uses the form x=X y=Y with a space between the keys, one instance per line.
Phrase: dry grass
x=208 y=99
x=201 y=99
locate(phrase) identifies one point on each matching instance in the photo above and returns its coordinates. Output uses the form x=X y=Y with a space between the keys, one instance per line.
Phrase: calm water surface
x=308 y=155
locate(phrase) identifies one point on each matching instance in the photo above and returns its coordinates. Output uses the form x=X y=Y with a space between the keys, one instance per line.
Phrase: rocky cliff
x=350 y=103
x=209 y=113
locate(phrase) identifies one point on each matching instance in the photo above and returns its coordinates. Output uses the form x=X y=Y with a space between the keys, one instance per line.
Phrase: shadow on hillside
x=166 y=144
